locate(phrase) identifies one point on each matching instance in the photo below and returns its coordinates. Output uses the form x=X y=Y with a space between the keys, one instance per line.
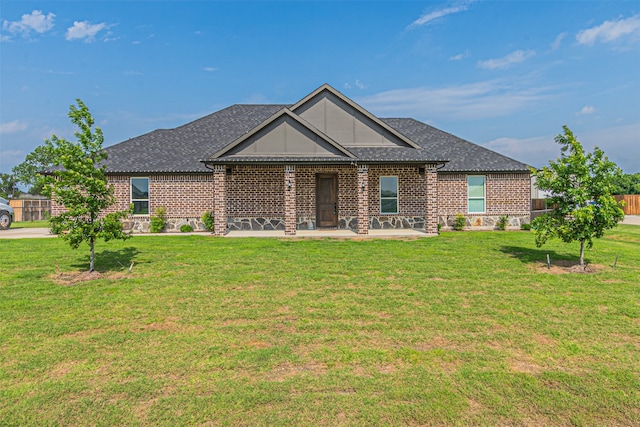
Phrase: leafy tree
x=581 y=187
x=627 y=184
x=8 y=186
x=78 y=183
x=29 y=171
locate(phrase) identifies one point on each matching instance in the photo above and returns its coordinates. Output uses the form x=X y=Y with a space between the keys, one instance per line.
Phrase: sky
x=506 y=75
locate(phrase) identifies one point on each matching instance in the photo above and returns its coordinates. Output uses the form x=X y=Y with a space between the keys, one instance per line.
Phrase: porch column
x=290 y=200
x=219 y=201
x=431 y=212
x=363 y=199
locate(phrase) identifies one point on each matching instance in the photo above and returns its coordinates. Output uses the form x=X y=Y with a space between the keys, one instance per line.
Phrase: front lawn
x=31 y=224
x=469 y=328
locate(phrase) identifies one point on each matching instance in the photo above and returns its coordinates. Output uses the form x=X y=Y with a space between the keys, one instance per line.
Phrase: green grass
x=31 y=224
x=462 y=329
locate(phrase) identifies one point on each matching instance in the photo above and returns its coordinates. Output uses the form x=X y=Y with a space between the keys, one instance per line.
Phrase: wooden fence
x=539 y=206
x=30 y=209
x=632 y=203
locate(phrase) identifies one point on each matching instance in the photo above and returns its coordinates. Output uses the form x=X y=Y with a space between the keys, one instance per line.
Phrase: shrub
x=186 y=228
x=158 y=220
x=207 y=220
x=525 y=227
x=502 y=222
x=459 y=222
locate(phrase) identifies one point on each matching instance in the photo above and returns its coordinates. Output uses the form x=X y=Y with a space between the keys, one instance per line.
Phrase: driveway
x=26 y=233
x=632 y=219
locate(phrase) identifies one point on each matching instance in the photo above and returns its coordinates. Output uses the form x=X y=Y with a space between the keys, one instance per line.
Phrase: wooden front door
x=327 y=200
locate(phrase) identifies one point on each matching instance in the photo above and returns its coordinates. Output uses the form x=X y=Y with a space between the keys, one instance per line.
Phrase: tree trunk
x=581 y=251
x=91 y=255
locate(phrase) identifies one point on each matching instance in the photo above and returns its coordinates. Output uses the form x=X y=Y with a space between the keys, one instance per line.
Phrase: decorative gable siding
x=285 y=137
x=345 y=124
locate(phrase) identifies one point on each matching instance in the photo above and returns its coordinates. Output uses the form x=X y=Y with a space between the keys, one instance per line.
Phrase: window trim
x=484 y=194
x=140 y=200
x=397 y=197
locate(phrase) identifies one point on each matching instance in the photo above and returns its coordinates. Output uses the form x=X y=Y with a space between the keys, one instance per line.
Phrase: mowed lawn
x=468 y=328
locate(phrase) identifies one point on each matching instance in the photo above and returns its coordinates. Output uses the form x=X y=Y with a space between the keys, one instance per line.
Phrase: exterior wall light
x=289 y=185
x=362 y=186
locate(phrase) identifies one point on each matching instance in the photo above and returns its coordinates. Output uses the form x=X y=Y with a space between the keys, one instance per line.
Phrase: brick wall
x=183 y=195
x=506 y=195
x=411 y=189
x=256 y=191
x=306 y=189
x=452 y=189
x=259 y=192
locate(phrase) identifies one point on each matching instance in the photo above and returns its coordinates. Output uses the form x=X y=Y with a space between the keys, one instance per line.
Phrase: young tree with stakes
x=581 y=186
x=79 y=184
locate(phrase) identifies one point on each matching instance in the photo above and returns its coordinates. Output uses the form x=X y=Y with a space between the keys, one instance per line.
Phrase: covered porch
x=308 y=199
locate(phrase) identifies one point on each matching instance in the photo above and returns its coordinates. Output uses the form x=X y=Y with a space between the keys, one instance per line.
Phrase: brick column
x=290 y=200
x=431 y=212
x=219 y=200
x=363 y=199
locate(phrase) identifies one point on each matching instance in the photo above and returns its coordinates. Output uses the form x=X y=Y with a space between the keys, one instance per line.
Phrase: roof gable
x=283 y=135
x=346 y=122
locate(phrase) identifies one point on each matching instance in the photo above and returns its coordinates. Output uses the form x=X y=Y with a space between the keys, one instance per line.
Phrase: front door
x=327 y=200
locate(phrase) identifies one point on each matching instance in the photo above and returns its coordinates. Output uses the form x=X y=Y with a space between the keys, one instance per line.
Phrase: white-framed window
x=388 y=194
x=476 y=193
x=140 y=195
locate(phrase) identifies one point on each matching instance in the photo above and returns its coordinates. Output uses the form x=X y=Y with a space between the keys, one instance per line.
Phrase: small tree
x=79 y=184
x=581 y=187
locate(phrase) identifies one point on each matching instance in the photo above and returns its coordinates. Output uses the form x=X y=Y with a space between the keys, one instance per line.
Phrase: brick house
x=322 y=162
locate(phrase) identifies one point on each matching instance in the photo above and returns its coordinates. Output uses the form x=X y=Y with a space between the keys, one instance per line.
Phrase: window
x=140 y=196
x=388 y=194
x=476 y=192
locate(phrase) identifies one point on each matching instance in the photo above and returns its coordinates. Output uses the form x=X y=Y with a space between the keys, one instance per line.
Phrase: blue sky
x=503 y=74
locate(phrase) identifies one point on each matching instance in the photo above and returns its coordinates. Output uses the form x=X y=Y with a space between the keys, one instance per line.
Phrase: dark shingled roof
x=463 y=156
x=184 y=148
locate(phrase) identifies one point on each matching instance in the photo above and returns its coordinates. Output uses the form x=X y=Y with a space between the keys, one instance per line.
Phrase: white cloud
x=535 y=151
x=439 y=13
x=610 y=31
x=357 y=84
x=84 y=30
x=460 y=56
x=616 y=142
x=12 y=127
x=210 y=69
x=34 y=21
x=506 y=61
x=556 y=43
x=481 y=100
x=587 y=109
